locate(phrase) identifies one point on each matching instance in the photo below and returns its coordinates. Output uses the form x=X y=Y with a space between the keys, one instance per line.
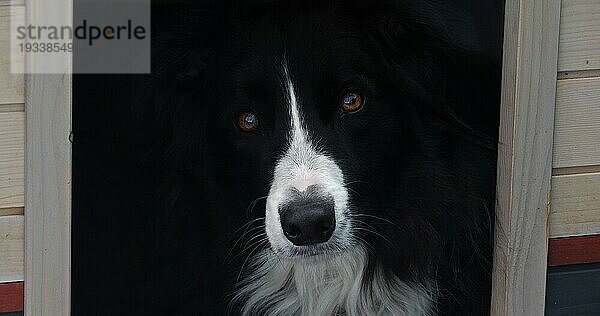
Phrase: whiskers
x=349 y=186
x=247 y=232
x=251 y=206
x=255 y=246
x=384 y=220
x=256 y=238
x=359 y=221
x=253 y=238
x=359 y=225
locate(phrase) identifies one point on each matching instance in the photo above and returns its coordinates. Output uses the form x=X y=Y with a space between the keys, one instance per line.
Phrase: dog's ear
x=424 y=48
x=184 y=40
x=434 y=24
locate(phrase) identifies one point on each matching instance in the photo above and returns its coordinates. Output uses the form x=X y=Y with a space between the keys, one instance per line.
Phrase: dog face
x=317 y=114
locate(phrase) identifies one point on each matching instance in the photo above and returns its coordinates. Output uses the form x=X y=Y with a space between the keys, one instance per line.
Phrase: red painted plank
x=11 y=297
x=574 y=250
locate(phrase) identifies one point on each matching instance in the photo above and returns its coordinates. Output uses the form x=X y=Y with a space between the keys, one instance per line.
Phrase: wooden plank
x=48 y=170
x=12 y=2
x=525 y=156
x=11 y=297
x=575 y=208
x=11 y=85
x=577 y=126
x=12 y=142
x=9 y=107
x=11 y=248
x=11 y=211
x=578 y=74
x=575 y=170
x=574 y=250
x=579 y=35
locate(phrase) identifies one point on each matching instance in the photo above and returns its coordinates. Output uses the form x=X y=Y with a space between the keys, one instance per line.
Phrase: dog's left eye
x=247 y=121
x=352 y=102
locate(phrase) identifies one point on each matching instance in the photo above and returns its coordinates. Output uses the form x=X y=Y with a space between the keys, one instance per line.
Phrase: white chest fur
x=328 y=286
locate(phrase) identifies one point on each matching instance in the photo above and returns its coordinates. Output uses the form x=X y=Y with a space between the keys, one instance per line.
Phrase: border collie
x=335 y=157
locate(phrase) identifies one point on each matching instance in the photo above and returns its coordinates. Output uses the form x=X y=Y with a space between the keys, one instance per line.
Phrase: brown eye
x=247 y=121
x=352 y=102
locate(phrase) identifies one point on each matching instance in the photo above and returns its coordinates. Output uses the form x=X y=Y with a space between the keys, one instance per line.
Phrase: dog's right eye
x=247 y=121
x=352 y=102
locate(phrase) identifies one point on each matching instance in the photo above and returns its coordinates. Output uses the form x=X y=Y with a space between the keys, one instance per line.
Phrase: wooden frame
x=525 y=156
x=524 y=168
x=47 y=170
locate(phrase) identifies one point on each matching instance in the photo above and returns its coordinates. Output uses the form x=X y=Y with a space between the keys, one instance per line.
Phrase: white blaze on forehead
x=298 y=133
x=300 y=151
x=300 y=167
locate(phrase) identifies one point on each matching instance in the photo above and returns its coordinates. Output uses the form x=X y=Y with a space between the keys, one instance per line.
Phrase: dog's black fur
x=419 y=158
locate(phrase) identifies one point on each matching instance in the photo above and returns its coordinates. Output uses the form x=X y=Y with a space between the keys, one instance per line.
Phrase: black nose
x=308 y=221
